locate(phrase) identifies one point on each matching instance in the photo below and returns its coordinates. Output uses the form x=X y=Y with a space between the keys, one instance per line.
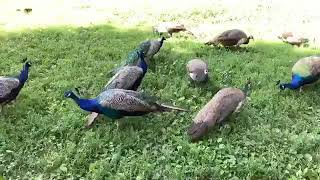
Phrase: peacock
x=223 y=103
x=151 y=48
x=233 y=37
x=11 y=86
x=119 y=103
x=305 y=71
x=128 y=77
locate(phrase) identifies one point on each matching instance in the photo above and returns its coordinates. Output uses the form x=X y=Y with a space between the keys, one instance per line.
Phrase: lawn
x=42 y=135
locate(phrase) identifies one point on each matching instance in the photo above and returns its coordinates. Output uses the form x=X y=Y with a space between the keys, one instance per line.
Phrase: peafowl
x=223 y=103
x=170 y=28
x=129 y=77
x=233 y=37
x=198 y=70
x=293 y=39
x=305 y=71
x=118 y=103
x=11 y=86
x=151 y=48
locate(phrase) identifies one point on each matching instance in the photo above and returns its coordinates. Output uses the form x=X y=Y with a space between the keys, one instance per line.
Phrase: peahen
x=233 y=37
x=198 y=70
x=223 y=103
x=118 y=103
x=11 y=86
x=170 y=28
x=293 y=38
x=305 y=71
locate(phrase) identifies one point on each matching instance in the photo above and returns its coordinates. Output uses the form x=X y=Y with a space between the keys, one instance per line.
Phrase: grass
x=42 y=135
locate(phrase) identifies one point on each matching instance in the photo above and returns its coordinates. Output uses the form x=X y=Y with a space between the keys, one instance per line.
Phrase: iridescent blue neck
x=86 y=104
x=296 y=82
x=23 y=77
x=143 y=65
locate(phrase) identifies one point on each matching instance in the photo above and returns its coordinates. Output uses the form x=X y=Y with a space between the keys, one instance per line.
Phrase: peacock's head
x=69 y=94
x=27 y=64
x=282 y=86
x=140 y=54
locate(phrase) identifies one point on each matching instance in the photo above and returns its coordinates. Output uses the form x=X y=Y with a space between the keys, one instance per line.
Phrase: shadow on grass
x=43 y=132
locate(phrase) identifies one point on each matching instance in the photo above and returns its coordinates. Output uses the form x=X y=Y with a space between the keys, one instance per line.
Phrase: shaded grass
x=43 y=135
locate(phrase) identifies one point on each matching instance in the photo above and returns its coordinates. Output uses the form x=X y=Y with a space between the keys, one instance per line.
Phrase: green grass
x=42 y=135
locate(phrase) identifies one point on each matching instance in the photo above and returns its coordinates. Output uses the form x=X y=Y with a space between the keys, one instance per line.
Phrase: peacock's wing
x=7 y=84
x=314 y=63
x=227 y=41
x=124 y=100
x=236 y=33
x=125 y=78
x=231 y=37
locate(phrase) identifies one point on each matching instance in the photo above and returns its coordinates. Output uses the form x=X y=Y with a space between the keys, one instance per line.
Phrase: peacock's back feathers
x=7 y=84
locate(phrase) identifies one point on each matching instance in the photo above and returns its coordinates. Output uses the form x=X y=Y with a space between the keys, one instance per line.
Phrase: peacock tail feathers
x=302 y=69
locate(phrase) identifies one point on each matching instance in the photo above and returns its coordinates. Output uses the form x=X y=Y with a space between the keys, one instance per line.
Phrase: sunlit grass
x=43 y=135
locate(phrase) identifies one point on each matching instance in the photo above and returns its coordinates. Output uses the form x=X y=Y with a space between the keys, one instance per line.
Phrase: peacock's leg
x=301 y=90
x=91 y=119
x=120 y=124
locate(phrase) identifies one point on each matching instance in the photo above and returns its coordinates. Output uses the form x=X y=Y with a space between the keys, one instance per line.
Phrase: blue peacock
x=118 y=103
x=128 y=77
x=11 y=86
x=305 y=71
